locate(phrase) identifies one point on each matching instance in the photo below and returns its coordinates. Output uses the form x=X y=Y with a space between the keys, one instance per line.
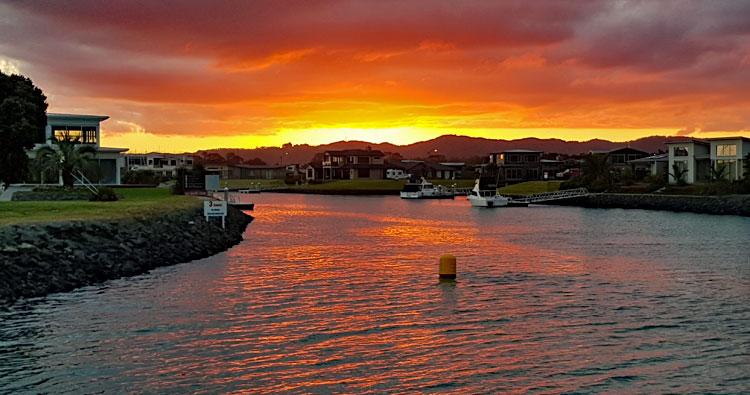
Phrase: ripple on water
x=338 y=294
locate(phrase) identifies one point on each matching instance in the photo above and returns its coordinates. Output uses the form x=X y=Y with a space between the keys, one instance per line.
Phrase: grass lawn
x=134 y=202
x=531 y=187
x=241 y=184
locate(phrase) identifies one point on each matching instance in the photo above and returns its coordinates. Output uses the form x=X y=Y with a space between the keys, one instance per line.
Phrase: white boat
x=425 y=190
x=479 y=198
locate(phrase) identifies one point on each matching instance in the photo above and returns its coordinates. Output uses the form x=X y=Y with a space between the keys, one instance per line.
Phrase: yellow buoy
x=447 y=266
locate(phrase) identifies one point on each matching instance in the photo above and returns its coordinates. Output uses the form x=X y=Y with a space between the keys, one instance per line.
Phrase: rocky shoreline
x=39 y=259
x=720 y=205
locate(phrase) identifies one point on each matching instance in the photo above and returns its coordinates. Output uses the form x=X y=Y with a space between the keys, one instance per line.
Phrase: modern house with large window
x=85 y=129
x=352 y=164
x=694 y=159
x=729 y=153
x=518 y=165
x=161 y=164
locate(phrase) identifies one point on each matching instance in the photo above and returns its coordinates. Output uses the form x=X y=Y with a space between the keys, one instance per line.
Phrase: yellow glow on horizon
x=146 y=142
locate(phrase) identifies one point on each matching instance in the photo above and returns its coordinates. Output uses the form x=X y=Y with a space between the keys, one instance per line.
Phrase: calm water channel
x=340 y=294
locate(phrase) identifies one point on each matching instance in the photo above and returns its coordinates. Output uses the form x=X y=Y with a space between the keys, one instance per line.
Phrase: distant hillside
x=452 y=146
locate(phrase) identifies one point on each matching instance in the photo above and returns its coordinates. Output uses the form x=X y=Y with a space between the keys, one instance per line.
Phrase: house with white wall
x=158 y=163
x=696 y=157
x=86 y=129
x=730 y=153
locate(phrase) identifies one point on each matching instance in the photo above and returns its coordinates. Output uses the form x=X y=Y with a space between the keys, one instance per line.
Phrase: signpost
x=215 y=208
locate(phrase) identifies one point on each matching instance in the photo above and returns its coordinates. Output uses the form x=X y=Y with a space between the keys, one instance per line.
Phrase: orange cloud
x=268 y=72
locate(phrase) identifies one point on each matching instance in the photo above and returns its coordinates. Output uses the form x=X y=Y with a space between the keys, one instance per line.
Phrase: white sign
x=214 y=208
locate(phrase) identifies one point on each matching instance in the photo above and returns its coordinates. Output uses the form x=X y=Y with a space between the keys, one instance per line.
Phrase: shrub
x=573 y=183
x=105 y=195
x=598 y=186
x=292 y=179
x=143 y=177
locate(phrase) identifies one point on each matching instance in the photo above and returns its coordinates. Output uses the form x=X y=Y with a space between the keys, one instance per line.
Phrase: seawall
x=722 y=205
x=39 y=259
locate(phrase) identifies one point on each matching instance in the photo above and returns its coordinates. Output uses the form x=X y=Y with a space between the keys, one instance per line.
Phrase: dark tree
x=255 y=162
x=214 y=158
x=23 y=117
x=233 y=159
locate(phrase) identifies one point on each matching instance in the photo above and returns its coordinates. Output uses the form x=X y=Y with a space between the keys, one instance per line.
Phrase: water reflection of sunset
x=336 y=294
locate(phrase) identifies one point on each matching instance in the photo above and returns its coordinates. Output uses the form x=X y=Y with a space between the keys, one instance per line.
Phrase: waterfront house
x=428 y=170
x=249 y=172
x=689 y=160
x=158 y=163
x=266 y=172
x=518 y=165
x=458 y=168
x=106 y=164
x=352 y=164
x=729 y=153
x=654 y=165
x=618 y=158
x=551 y=167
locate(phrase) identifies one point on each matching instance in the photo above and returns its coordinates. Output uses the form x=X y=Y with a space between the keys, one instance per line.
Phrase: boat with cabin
x=425 y=190
x=486 y=198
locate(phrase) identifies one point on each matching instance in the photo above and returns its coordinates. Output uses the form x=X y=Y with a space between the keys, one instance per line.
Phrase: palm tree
x=597 y=167
x=678 y=174
x=718 y=172
x=66 y=159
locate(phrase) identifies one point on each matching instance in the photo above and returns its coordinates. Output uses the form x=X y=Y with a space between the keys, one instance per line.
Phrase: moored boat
x=425 y=190
x=488 y=198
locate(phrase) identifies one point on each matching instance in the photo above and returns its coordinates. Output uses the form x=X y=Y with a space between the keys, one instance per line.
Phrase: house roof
x=111 y=149
x=260 y=167
x=688 y=140
x=517 y=151
x=430 y=165
x=356 y=152
x=631 y=149
x=729 y=138
x=63 y=117
x=652 y=158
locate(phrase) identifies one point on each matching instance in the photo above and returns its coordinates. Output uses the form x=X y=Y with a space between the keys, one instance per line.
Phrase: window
x=65 y=133
x=680 y=151
x=530 y=158
x=726 y=150
x=726 y=169
x=78 y=134
x=513 y=174
x=89 y=134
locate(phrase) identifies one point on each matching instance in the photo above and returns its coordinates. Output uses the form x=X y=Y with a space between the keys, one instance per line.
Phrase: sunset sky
x=187 y=75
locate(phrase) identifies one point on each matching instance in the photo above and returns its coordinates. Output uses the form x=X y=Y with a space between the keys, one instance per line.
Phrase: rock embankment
x=725 y=205
x=39 y=259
